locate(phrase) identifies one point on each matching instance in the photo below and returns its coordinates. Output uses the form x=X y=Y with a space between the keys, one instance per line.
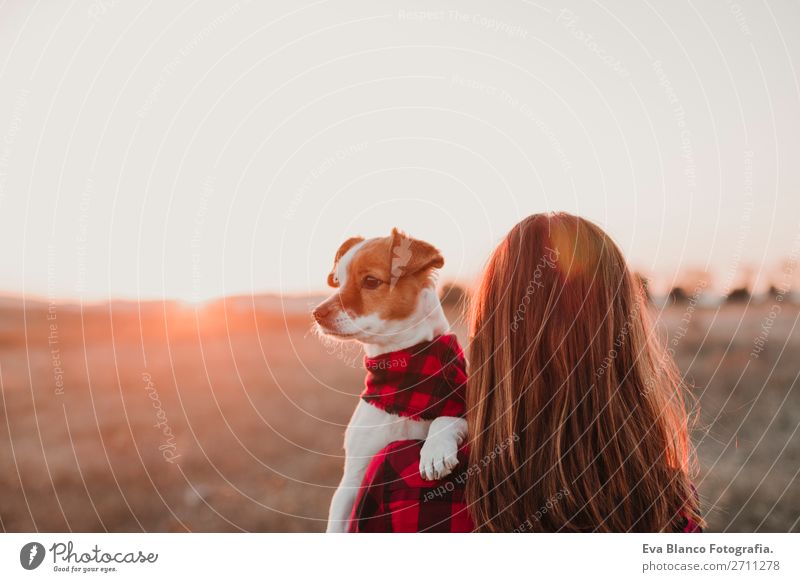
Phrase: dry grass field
x=157 y=417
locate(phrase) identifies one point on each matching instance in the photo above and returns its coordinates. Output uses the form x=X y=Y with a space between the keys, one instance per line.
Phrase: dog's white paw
x=438 y=458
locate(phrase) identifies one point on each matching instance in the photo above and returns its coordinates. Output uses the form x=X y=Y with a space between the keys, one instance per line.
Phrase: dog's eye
x=370 y=282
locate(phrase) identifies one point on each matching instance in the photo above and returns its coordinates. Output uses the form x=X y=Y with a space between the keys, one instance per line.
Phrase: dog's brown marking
x=345 y=246
x=402 y=264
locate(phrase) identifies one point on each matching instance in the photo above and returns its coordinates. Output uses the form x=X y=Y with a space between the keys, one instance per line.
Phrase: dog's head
x=384 y=290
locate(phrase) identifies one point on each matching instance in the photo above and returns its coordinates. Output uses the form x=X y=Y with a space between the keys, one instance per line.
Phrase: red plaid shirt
x=395 y=498
x=425 y=381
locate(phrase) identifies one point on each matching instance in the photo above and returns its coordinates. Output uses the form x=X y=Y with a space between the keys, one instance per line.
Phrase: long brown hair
x=576 y=411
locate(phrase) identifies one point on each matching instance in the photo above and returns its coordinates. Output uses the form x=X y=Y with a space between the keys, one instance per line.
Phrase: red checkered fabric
x=394 y=498
x=425 y=381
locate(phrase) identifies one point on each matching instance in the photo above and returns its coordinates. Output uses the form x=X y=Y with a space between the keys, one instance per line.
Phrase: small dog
x=386 y=300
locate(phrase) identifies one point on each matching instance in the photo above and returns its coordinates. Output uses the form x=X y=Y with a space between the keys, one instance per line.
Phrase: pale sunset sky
x=188 y=150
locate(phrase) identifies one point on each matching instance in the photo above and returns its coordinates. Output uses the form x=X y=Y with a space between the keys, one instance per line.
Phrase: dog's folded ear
x=333 y=281
x=410 y=256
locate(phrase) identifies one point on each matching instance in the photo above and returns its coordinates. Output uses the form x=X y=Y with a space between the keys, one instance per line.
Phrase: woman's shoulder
x=395 y=498
x=688 y=525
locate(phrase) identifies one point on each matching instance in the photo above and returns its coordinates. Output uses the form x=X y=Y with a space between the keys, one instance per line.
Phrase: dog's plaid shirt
x=395 y=498
x=425 y=381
